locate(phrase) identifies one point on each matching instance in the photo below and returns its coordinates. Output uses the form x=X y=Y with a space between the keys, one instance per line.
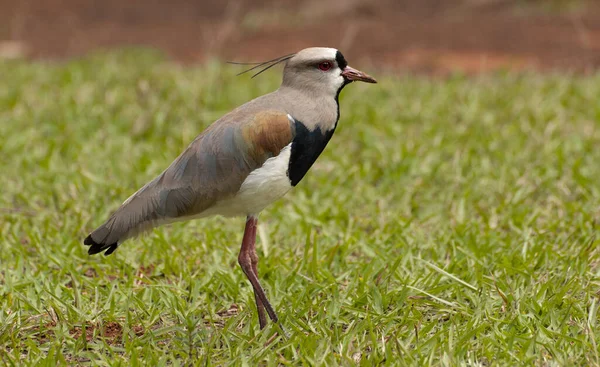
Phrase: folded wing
x=212 y=168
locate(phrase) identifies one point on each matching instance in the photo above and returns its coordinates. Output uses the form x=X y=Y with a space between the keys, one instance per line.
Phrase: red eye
x=325 y=65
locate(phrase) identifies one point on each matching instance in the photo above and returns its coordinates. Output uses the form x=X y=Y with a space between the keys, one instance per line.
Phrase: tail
x=97 y=247
x=137 y=214
x=109 y=235
x=162 y=200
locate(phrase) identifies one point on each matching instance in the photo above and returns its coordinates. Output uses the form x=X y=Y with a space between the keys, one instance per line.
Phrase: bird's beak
x=351 y=74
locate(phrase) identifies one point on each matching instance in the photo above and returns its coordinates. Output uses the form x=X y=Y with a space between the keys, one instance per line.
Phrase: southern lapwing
x=245 y=160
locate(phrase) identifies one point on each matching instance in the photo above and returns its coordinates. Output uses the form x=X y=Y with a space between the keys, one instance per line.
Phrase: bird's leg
x=260 y=308
x=248 y=261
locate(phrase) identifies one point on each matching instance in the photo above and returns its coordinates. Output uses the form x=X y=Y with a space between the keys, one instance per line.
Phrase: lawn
x=448 y=222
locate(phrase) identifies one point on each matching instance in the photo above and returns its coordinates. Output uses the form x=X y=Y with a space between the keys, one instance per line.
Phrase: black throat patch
x=306 y=148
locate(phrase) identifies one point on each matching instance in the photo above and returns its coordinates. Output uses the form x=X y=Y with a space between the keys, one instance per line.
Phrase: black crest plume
x=265 y=65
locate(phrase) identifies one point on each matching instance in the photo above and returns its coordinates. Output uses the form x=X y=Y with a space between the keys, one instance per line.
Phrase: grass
x=448 y=222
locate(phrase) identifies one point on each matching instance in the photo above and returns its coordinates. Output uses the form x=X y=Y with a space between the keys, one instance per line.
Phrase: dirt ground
x=429 y=36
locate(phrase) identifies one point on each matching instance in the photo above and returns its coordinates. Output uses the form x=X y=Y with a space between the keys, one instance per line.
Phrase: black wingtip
x=96 y=247
x=89 y=241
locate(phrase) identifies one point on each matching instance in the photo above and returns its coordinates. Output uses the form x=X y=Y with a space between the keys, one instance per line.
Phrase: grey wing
x=212 y=168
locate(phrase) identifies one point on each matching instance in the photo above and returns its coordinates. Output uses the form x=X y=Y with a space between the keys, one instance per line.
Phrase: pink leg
x=248 y=261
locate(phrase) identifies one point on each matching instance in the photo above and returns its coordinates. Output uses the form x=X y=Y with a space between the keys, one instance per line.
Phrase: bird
x=244 y=161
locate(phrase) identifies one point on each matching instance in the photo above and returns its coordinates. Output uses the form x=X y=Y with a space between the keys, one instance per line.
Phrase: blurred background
x=421 y=36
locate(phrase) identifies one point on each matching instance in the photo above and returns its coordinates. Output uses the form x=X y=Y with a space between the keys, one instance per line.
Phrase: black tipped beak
x=352 y=74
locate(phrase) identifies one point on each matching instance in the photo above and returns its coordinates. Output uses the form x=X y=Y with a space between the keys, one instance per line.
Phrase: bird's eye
x=325 y=65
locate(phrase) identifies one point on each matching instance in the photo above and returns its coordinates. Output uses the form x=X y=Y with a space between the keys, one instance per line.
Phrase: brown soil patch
x=146 y=271
x=112 y=332
x=219 y=319
x=90 y=273
x=431 y=36
x=416 y=35
x=231 y=311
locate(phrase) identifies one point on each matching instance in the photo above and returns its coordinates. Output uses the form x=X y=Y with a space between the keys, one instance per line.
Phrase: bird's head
x=322 y=70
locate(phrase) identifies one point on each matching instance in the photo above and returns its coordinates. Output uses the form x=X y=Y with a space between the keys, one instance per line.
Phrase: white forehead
x=316 y=53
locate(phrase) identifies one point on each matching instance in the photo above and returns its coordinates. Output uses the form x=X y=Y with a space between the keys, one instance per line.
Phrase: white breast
x=262 y=187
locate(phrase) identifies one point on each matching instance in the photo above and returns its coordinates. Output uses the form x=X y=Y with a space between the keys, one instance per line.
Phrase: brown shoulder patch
x=267 y=133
